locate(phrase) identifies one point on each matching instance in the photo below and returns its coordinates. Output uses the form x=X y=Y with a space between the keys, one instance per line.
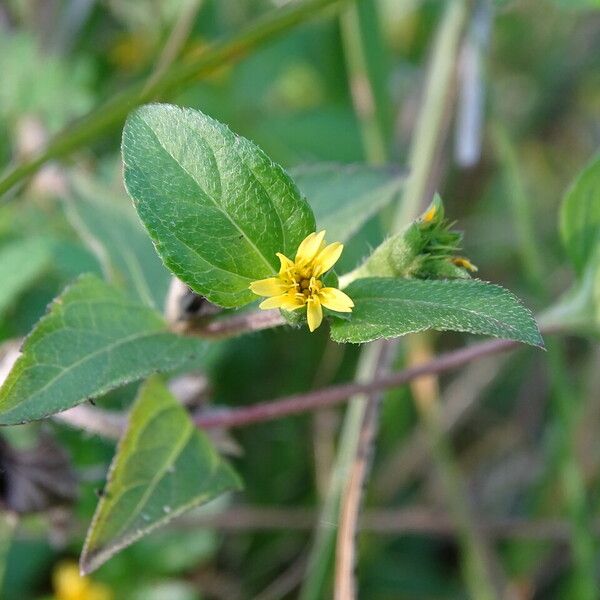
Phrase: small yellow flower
x=299 y=281
x=70 y=585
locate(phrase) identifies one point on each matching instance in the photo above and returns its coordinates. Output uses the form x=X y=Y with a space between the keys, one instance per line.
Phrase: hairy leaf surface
x=164 y=466
x=93 y=339
x=389 y=307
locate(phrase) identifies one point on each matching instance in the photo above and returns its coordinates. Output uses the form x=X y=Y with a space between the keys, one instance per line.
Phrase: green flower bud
x=425 y=249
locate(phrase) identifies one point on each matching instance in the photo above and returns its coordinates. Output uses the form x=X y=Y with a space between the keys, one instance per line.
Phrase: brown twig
x=231 y=325
x=330 y=396
x=93 y=419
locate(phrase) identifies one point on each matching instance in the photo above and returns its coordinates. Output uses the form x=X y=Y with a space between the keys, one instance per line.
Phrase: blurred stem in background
x=365 y=55
x=8 y=525
x=360 y=424
x=113 y=113
x=176 y=40
x=368 y=77
x=429 y=134
x=565 y=407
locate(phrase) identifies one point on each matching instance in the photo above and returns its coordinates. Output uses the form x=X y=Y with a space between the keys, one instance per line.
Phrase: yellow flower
x=70 y=585
x=299 y=281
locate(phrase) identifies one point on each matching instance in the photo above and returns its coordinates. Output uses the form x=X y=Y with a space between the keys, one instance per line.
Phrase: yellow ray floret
x=298 y=283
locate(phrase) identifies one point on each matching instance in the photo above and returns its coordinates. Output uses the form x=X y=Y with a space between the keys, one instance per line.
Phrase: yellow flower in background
x=70 y=585
x=299 y=281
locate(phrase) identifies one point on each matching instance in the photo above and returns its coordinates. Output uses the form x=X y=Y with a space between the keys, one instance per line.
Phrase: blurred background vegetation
x=523 y=120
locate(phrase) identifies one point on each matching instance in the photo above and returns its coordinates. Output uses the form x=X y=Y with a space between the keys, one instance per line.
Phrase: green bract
x=387 y=307
x=217 y=208
x=164 y=466
x=94 y=338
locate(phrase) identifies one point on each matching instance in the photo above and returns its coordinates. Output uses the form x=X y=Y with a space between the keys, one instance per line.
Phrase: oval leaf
x=217 y=208
x=93 y=339
x=387 y=307
x=163 y=466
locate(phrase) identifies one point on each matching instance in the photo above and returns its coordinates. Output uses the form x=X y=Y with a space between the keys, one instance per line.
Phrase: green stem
x=367 y=74
x=429 y=128
x=364 y=52
x=114 y=111
x=475 y=565
x=428 y=135
x=521 y=209
x=321 y=553
x=583 y=581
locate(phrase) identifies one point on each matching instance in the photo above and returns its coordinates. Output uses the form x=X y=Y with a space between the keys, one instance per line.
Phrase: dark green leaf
x=217 y=208
x=580 y=216
x=344 y=197
x=93 y=339
x=164 y=466
x=389 y=307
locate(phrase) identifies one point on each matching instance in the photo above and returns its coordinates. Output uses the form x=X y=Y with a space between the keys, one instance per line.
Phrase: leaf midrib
x=185 y=438
x=72 y=367
x=213 y=200
x=439 y=305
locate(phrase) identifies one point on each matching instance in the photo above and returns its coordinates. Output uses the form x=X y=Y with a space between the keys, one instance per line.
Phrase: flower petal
x=335 y=299
x=273 y=302
x=309 y=247
x=272 y=286
x=327 y=257
x=286 y=263
x=293 y=302
x=314 y=313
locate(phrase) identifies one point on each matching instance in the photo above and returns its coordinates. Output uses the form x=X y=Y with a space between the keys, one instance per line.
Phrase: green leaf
x=163 y=466
x=344 y=197
x=112 y=231
x=389 y=307
x=217 y=208
x=93 y=339
x=21 y=263
x=580 y=216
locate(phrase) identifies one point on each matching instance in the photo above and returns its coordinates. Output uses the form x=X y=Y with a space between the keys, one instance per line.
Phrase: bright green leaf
x=389 y=307
x=164 y=466
x=580 y=216
x=112 y=231
x=21 y=263
x=93 y=339
x=217 y=208
x=344 y=197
